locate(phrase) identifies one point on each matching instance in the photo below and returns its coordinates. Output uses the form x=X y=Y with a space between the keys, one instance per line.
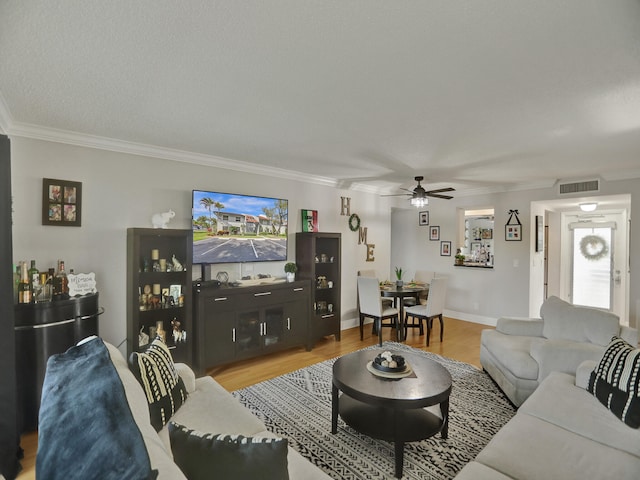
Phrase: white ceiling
x=480 y=95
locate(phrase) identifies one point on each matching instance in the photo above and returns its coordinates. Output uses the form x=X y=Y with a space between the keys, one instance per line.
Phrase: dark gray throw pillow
x=616 y=381
x=202 y=456
x=163 y=387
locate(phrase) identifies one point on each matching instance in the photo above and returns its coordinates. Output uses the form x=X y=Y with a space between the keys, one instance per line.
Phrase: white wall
x=122 y=191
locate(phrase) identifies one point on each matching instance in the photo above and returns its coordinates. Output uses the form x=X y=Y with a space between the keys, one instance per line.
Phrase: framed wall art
x=434 y=233
x=310 y=221
x=423 y=218
x=445 y=249
x=513 y=228
x=61 y=202
x=513 y=233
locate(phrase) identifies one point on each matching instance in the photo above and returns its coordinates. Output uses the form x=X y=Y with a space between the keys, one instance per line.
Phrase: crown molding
x=103 y=143
x=17 y=129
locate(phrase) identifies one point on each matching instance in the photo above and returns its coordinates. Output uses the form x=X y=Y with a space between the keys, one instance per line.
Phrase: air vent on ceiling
x=580 y=187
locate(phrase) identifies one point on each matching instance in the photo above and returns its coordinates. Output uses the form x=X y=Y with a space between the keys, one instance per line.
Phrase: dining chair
x=433 y=308
x=371 y=306
x=421 y=276
x=386 y=302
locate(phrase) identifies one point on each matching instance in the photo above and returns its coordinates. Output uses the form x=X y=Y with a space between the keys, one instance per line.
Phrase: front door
x=592 y=265
x=598 y=275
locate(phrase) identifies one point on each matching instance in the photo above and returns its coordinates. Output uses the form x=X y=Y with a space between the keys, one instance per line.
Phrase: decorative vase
x=291 y=276
x=399 y=283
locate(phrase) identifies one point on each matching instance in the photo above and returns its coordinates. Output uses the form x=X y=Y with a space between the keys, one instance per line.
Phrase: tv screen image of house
x=232 y=228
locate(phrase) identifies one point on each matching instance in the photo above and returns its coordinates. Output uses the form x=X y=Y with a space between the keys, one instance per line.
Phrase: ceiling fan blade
x=397 y=195
x=437 y=195
x=440 y=190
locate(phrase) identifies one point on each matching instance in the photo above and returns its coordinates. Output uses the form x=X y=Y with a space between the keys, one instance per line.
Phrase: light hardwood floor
x=461 y=342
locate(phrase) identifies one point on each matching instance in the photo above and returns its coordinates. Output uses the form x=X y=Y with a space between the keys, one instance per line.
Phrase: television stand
x=236 y=323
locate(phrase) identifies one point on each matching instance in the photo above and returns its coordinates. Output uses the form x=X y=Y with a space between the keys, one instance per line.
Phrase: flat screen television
x=231 y=228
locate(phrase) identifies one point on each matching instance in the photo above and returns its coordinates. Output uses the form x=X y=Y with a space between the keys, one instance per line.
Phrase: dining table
x=399 y=294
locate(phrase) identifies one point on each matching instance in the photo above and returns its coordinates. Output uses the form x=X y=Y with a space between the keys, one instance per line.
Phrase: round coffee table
x=391 y=409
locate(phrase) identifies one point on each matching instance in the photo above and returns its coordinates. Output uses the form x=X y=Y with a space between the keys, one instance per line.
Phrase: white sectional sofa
x=560 y=432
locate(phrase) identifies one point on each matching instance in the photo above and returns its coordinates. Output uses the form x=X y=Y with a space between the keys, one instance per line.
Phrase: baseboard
x=470 y=317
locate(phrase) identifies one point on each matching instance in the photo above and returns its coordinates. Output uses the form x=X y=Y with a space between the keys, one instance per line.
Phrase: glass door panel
x=592 y=263
x=274 y=325
x=249 y=331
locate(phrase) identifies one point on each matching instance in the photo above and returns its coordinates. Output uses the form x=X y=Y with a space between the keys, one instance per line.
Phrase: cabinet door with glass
x=318 y=256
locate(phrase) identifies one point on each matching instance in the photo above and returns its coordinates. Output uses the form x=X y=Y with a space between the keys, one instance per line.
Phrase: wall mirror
x=476 y=236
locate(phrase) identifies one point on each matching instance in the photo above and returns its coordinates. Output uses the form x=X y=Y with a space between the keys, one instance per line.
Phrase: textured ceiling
x=365 y=93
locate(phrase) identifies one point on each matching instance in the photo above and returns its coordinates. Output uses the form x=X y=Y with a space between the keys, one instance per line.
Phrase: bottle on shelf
x=34 y=279
x=61 y=283
x=24 y=287
x=49 y=284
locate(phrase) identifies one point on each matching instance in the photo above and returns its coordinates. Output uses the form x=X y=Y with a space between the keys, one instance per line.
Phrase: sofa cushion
x=86 y=428
x=162 y=385
x=562 y=355
x=528 y=448
x=512 y=351
x=616 y=381
x=559 y=401
x=224 y=413
x=229 y=456
x=564 y=321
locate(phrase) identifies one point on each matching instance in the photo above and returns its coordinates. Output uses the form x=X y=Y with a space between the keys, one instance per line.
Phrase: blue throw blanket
x=86 y=429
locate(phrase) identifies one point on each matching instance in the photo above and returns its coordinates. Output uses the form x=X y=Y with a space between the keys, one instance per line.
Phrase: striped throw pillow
x=163 y=387
x=616 y=381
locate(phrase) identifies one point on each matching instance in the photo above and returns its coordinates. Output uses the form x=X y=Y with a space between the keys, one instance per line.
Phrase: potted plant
x=399 y=273
x=460 y=259
x=290 y=268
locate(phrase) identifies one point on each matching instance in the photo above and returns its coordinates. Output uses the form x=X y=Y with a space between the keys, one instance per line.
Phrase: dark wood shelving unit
x=142 y=314
x=318 y=256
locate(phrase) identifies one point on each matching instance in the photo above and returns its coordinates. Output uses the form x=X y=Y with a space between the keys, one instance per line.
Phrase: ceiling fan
x=419 y=194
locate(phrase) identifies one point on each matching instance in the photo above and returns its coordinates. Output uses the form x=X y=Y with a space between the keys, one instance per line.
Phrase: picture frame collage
x=61 y=203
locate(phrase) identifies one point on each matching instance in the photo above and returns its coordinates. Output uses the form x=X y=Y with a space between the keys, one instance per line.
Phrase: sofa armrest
x=583 y=373
x=562 y=355
x=629 y=335
x=187 y=375
x=530 y=327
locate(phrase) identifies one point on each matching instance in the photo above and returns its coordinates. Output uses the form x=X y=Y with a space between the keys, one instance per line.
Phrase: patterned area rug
x=298 y=406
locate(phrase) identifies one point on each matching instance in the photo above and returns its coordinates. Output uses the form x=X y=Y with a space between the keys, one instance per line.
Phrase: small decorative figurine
x=177 y=266
x=143 y=338
x=161 y=220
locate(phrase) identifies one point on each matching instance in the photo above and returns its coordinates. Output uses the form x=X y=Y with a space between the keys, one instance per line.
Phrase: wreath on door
x=593 y=247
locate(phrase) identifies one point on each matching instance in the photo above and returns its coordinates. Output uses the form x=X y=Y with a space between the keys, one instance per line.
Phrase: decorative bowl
x=388 y=362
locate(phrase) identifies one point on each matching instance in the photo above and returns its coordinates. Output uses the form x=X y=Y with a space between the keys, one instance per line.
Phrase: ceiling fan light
x=588 y=207
x=419 y=201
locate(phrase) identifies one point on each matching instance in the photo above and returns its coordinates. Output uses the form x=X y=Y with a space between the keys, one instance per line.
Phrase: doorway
x=595 y=259
x=601 y=278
